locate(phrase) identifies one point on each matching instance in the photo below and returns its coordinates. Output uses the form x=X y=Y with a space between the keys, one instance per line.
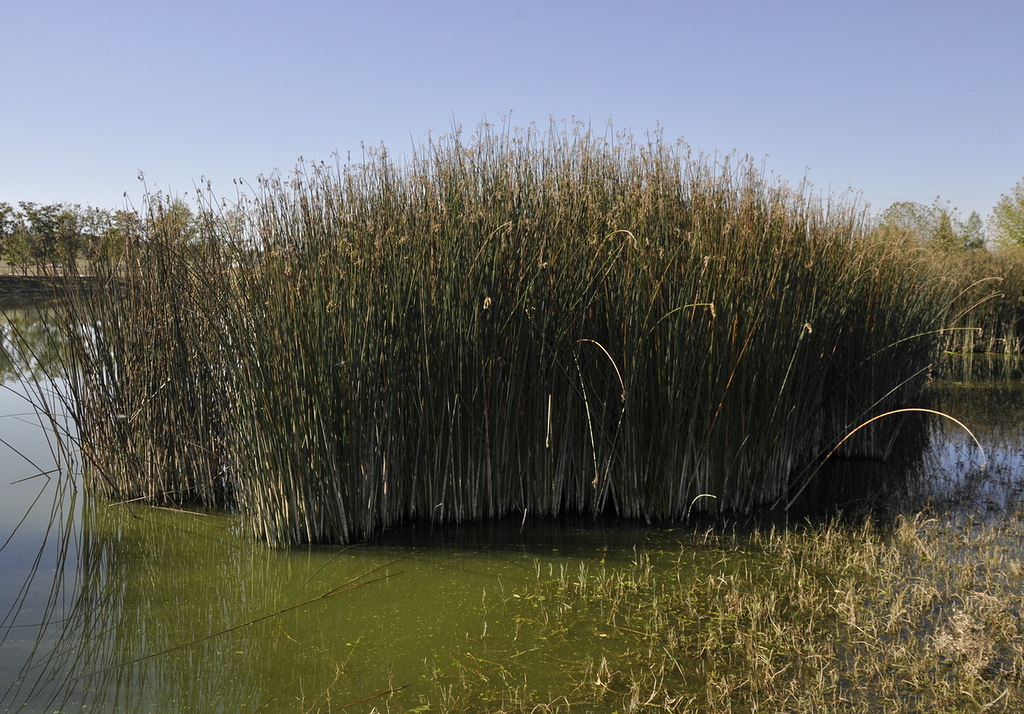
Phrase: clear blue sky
x=897 y=99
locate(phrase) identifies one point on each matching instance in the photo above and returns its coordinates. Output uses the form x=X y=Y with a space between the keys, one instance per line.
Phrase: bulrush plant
x=516 y=322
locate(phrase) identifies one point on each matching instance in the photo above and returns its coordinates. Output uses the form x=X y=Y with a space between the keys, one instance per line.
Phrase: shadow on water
x=123 y=608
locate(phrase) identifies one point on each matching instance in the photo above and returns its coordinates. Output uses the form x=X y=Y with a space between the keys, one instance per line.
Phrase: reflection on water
x=149 y=581
x=28 y=346
x=992 y=409
x=960 y=368
x=123 y=608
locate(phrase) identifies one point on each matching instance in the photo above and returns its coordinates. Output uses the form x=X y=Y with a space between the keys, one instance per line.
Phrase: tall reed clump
x=521 y=322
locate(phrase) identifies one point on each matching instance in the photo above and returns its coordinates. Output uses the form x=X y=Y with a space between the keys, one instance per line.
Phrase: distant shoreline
x=32 y=285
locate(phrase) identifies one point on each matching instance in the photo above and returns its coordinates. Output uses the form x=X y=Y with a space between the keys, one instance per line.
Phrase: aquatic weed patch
x=924 y=616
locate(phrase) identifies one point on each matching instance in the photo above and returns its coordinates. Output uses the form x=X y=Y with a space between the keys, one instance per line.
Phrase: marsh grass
x=922 y=615
x=516 y=322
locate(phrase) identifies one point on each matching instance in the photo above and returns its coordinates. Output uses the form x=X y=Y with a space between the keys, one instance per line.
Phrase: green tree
x=944 y=235
x=58 y=233
x=1007 y=221
x=18 y=246
x=908 y=218
x=173 y=220
x=40 y=238
x=937 y=225
x=94 y=226
x=71 y=237
x=974 y=232
x=10 y=219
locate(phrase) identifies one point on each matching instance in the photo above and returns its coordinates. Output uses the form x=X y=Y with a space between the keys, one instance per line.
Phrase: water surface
x=123 y=608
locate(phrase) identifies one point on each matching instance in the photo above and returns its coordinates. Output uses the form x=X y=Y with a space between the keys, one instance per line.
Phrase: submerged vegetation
x=837 y=617
x=917 y=614
x=514 y=324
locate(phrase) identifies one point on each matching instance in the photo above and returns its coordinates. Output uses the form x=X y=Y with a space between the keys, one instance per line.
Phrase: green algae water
x=171 y=611
x=122 y=608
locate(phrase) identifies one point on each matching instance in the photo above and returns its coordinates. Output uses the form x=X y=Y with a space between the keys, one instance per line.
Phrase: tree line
x=33 y=234
x=940 y=225
x=60 y=235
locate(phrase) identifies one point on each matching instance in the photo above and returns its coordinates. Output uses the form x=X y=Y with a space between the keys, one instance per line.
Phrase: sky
x=892 y=100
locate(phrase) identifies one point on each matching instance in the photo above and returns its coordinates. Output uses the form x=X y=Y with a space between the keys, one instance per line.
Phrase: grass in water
x=923 y=615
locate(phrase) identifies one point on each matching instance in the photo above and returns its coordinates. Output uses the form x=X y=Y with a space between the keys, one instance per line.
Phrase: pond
x=124 y=608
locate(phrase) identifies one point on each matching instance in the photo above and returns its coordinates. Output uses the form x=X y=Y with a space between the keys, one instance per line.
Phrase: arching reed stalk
x=385 y=341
